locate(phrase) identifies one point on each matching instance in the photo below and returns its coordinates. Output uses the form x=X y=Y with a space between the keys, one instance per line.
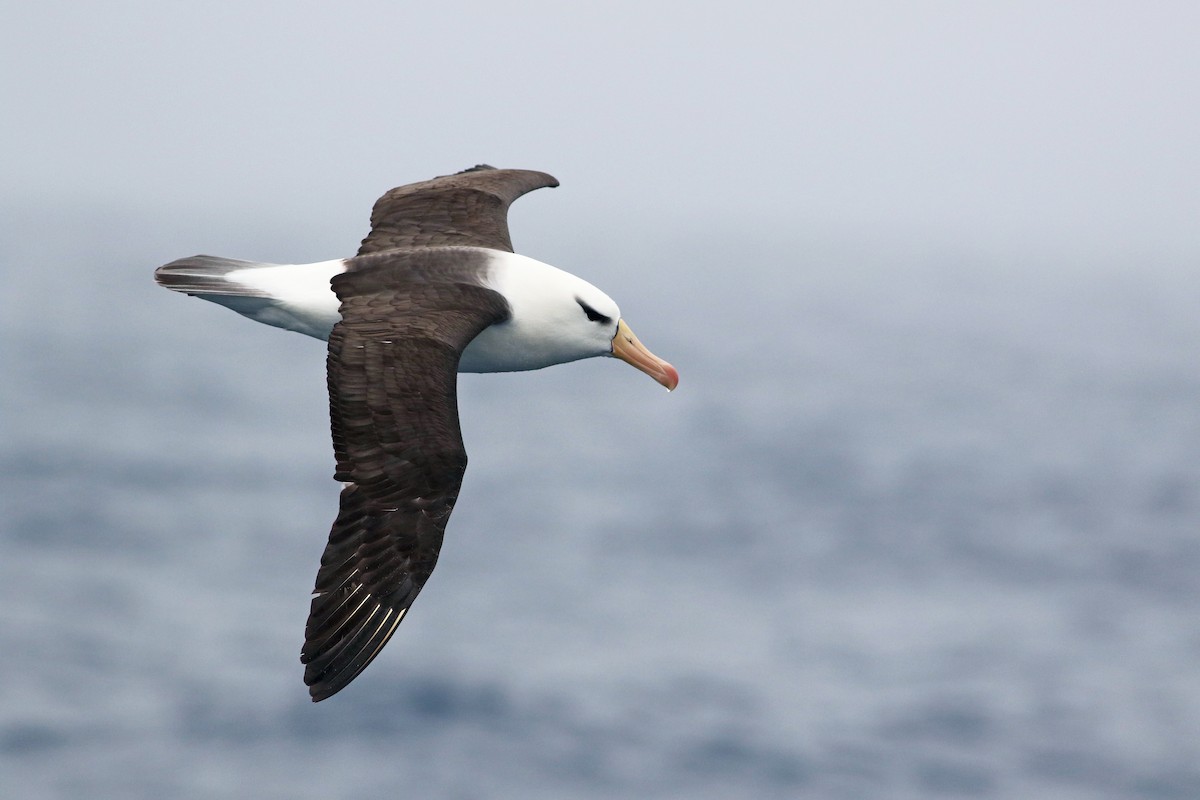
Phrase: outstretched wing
x=392 y=369
x=469 y=208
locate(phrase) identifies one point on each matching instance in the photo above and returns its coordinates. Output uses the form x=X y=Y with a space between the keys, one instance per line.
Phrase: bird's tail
x=208 y=275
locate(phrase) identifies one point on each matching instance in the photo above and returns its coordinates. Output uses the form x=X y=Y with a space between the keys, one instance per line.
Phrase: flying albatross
x=434 y=290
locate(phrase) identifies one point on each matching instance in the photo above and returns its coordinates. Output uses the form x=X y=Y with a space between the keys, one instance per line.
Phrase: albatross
x=434 y=290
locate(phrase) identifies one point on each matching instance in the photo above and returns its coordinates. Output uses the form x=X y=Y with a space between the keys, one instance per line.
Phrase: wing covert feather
x=468 y=208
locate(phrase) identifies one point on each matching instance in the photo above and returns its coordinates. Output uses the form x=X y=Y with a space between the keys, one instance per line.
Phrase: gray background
x=921 y=519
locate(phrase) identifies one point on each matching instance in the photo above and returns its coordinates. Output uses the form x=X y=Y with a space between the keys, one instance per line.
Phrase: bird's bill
x=626 y=347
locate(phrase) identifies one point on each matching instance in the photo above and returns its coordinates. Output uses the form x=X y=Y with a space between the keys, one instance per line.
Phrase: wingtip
x=548 y=180
x=322 y=687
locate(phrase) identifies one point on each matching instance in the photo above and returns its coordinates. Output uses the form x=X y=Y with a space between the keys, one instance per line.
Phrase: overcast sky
x=1000 y=128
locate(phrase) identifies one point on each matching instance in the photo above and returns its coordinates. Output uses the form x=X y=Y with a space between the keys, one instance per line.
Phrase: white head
x=556 y=317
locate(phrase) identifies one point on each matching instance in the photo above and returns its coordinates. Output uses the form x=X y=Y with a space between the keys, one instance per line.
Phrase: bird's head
x=602 y=324
x=559 y=317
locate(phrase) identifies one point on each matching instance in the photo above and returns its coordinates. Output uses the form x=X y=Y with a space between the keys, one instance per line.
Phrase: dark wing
x=393 y=368
x=469 y=209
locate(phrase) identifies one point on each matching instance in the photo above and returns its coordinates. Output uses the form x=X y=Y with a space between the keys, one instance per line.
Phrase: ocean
x=914 y=525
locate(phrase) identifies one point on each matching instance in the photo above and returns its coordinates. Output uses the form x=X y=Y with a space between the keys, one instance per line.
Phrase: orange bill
x=626 y=347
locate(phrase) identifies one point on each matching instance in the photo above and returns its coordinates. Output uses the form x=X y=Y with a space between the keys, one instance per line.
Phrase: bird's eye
x=593 y=314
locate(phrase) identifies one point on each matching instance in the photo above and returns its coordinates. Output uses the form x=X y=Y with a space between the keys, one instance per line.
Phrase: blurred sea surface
x=911 y=527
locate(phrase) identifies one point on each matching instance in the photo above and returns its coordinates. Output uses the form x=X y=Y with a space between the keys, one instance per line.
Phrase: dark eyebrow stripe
x=593 y=314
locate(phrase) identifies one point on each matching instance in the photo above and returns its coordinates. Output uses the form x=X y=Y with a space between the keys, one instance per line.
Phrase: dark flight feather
x=392 y=374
